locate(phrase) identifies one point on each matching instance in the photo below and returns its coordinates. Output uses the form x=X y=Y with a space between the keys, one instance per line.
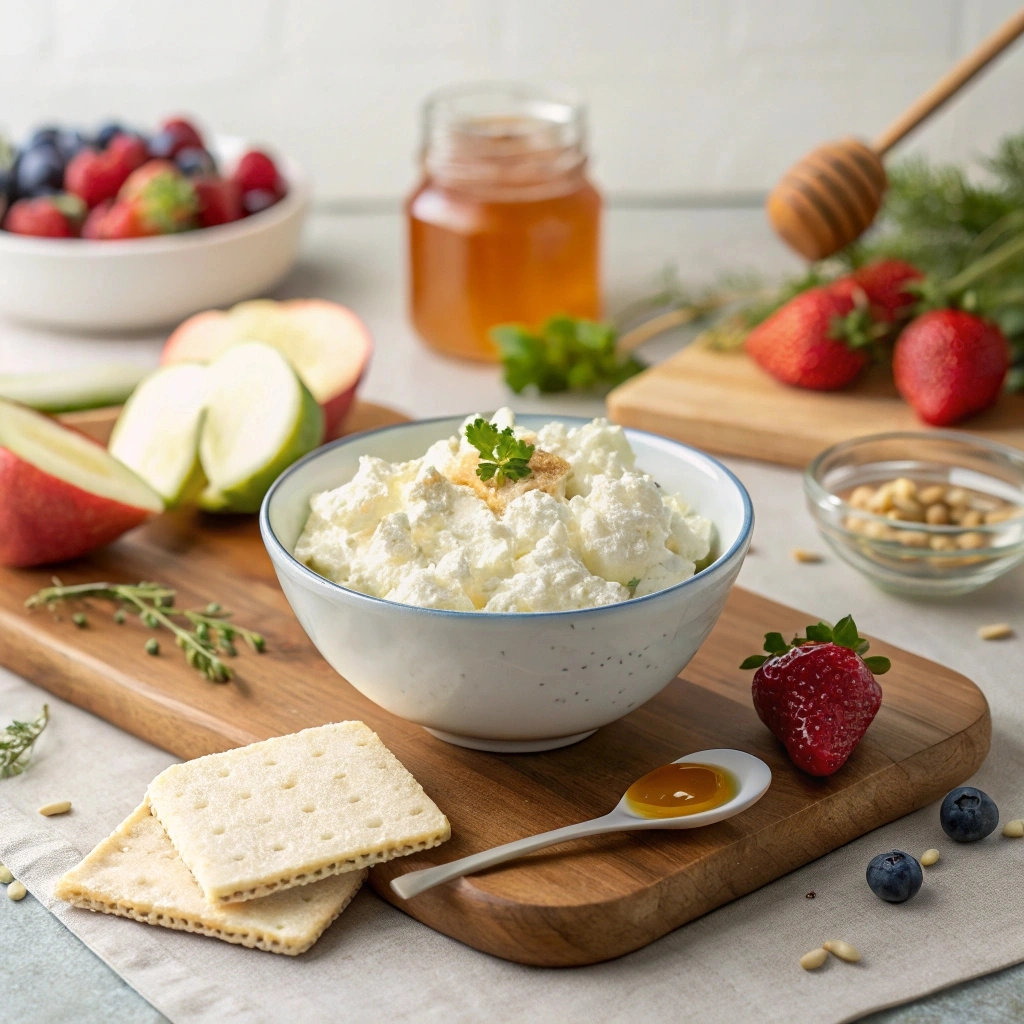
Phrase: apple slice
x=260 y=418
x=61 y=494
x=91 y=387
x=327 y=344
x=157 y=433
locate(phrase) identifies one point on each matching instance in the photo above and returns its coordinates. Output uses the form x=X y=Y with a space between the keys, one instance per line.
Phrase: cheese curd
x=406 y=532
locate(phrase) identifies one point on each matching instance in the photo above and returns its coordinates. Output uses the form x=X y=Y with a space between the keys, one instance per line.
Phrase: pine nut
x=57 y=807
x=972 y=541
x=956 y=496
x=877 y=531
x=942 y=544
x=972 y=517
x=16 y=891
x=914 y=538
x=882 y=499
x=843 y=950
x=1014 y=829
x=913 y=510
x=861 y=496
x=996 y=631
x=937 y=514
x=1001 y=515
x=5 y=875
x=931 y=495
x=929 y=857
x=808 y=557
x=813 y=960
x=903 y=489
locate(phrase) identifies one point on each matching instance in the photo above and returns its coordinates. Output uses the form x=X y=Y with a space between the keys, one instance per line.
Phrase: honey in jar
x=504 y=226
x=684 y=787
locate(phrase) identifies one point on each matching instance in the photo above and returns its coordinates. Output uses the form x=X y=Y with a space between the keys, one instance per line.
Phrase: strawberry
x=38 y=217
x=884 y=283
x=95 y=176
x=115 y=219
x=949 y=364
x=162 y=198
x=816 y=340
x=818 y=695
x=175 y=135
x=218 y=199
x=257 y=172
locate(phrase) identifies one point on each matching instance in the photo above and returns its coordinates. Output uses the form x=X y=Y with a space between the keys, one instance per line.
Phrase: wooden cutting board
x=723 y=402
x=583 y=902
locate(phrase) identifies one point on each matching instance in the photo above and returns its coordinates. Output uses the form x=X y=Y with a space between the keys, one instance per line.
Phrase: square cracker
x=135 y=872
x=291 y=810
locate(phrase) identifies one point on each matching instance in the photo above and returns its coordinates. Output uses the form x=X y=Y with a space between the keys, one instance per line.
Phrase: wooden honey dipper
x=831 y=196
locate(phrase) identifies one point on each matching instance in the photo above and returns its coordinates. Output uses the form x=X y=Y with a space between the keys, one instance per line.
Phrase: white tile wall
x=711 y=97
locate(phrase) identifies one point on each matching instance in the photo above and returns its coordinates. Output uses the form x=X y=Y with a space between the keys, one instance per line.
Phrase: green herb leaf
x=17 y=741
x=633 y=584
x=566 y=354
x=503 y=456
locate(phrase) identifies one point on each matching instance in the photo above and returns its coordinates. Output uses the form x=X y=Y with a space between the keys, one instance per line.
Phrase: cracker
x=291 y=810
x=135 y=872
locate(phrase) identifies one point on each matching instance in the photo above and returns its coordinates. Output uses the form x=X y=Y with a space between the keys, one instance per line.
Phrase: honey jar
x=504 y=225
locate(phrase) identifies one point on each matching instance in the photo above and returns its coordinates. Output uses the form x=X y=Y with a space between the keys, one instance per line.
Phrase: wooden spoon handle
x=951 y=83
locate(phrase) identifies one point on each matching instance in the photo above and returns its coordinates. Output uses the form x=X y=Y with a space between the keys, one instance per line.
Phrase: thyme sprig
x=208 y=635
x=17 y=741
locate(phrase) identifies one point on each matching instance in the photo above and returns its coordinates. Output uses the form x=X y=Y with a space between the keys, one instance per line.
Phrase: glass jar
x=504 y=225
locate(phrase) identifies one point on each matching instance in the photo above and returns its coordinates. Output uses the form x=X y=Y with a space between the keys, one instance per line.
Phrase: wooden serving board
x=579 y=903
x=724 y=402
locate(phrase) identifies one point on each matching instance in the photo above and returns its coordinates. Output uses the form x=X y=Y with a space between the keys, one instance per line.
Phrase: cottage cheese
x=406 y=532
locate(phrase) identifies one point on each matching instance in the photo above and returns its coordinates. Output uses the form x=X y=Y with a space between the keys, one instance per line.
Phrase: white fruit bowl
x=76 y=284
x=508 y=682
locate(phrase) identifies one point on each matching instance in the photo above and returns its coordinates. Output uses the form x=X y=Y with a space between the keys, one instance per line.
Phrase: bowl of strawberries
x=120 y=231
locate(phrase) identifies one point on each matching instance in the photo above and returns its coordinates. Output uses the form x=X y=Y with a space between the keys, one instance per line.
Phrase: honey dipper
x=831 y=196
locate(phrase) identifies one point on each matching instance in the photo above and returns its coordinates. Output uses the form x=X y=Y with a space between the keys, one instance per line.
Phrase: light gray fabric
x=739 y=963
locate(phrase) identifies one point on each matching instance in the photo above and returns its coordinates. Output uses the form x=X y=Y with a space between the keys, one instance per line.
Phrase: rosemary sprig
x=209 y=633
x=17 y=741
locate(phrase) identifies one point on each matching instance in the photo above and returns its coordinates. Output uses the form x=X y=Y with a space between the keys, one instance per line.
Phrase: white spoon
x=750 y=776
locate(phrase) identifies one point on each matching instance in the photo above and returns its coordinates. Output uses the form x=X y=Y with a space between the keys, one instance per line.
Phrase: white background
x=687 y=98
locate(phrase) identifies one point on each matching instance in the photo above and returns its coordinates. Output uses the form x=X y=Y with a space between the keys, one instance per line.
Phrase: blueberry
x=967 y=814
x=47 y=135
x=41 y=167
x=163 y=145
x=69 y=143
x=196 y=163
x=106 y=132
x=894 y=877
x=257 y=199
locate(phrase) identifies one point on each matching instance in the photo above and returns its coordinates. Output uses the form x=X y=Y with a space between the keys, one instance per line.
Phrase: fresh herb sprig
x=503 y=456
x=17 y=741
x=842 y=634
x=208 y=635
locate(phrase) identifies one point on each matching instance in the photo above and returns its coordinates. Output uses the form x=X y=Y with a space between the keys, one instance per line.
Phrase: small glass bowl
x=885 y=537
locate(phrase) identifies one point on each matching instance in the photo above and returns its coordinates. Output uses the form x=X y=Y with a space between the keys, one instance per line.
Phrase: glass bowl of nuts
x=935 y=513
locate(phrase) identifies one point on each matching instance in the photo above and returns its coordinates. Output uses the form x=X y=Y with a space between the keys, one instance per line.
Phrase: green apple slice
x=260 y=418
x=157 y=433
x=90 y=387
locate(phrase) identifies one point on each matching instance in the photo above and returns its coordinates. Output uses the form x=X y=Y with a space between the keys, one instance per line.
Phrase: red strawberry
x=129 y=151
x=811 y=342
x=115 y=219
x=218 y=199
x=818 y=695
x=186 y=134
x=949 y=364
x=884 y=283
x=256 y=171
x=163 y=199
x=38 y=217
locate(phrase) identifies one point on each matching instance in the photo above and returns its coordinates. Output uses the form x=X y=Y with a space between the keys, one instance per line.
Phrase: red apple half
x=61 y=493
x=328 y=345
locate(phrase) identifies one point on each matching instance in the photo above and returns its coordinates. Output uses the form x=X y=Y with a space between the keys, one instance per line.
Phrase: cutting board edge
x=509 y=929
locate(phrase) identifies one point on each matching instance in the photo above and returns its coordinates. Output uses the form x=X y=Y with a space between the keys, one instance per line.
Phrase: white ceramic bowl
x=507 y=682
x=141 y=283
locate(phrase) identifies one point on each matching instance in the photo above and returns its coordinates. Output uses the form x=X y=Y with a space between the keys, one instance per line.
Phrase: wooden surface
x=579 y=903
x=723 y=402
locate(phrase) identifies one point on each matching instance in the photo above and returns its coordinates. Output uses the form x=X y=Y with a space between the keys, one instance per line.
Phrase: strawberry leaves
x=842 y=634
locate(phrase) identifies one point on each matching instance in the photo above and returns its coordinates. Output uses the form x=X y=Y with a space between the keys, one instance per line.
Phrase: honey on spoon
x=699 y=789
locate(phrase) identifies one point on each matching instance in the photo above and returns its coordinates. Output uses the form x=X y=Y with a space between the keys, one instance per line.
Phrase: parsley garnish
x=502 y=455
x=633 y=584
